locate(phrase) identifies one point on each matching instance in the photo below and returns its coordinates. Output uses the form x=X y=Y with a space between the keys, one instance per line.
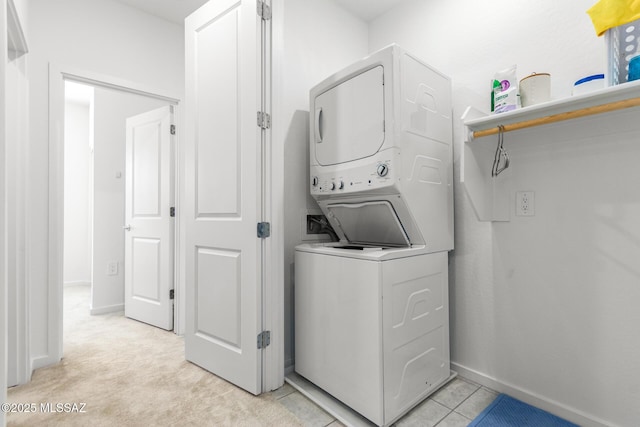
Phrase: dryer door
x=348 y=121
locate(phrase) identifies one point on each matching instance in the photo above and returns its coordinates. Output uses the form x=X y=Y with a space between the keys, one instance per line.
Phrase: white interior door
x=223 y=191
x=148 y=269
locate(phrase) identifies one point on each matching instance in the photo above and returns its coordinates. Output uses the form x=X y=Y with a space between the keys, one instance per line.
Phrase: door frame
x=13 y=262
x=57 y=76
x=273 y=288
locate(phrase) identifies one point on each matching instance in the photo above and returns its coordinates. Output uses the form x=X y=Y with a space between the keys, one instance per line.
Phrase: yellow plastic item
x=610 y=13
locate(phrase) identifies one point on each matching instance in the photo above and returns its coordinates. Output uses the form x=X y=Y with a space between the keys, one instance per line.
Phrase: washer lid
x=372 y=223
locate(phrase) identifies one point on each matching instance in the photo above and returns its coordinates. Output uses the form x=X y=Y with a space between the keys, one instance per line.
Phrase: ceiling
x=171 y=10
x=367 y=10
x=176 y=10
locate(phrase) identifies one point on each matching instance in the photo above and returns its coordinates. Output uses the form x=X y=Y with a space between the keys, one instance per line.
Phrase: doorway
x=78 y=193
x=94 y=177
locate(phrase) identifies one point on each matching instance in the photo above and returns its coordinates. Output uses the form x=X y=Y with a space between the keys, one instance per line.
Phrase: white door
x=148 y=269
x=223 y=191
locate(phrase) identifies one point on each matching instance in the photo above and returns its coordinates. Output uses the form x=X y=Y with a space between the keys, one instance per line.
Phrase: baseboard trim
x=289 y=366
x=106 y=309
x=40 y=362
x=571 y=414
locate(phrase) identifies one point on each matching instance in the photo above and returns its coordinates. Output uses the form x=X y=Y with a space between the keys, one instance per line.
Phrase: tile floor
x=455 y=405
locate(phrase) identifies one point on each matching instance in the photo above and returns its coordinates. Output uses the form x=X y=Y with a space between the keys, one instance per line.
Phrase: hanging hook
x=500 y=154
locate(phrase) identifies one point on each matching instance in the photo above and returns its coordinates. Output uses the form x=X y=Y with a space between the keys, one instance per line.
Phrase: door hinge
x=264 y=10
x=264 y=339
x=172 y=294
x=264 y=230
x=172 y=129
x=264 y=120
x=172 y=211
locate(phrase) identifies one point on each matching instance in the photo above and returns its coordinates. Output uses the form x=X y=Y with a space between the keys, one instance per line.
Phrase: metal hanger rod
x=589 y=111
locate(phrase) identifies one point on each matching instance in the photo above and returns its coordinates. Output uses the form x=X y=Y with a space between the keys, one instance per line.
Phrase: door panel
x=352 y=111
x=149 y=226
x=146 y=270
x=217 y=79
x=218 y=304
x=146 y=169
x=223 y=191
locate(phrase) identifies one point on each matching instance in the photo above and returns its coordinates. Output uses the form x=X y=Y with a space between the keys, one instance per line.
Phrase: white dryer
x=381 y=151
x=371 y=311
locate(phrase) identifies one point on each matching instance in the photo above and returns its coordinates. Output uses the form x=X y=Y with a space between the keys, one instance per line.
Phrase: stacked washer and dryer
x=371 y=311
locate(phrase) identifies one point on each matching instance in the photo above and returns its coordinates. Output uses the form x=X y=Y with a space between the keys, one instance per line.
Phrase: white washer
x=372 y=327
x=371 y=311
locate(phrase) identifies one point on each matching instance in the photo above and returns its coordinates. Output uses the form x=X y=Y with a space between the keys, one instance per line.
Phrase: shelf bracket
x=471 y=113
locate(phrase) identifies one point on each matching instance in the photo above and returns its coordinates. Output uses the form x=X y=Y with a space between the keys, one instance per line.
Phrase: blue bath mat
x=506 y=411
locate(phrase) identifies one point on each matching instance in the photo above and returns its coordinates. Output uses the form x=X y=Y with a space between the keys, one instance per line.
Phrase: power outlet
x=525 y=203
x=112 y=268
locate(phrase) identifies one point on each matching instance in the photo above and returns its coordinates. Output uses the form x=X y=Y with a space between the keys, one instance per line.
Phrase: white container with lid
x=588 y=84
x=535 y=89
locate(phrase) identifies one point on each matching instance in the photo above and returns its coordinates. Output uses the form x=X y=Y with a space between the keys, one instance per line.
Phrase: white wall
x=77 y=194
x=111 y=109
x=543 y=307
x=99 y=36
x=3 y=275
x=310 y=53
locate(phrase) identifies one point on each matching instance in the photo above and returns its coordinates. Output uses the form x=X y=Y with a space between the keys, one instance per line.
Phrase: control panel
x=370 y=175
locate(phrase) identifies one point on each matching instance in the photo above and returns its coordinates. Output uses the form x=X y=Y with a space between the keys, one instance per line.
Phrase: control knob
x=333 y=186
x=383 y=170
x=341 y=187
x=314 y=181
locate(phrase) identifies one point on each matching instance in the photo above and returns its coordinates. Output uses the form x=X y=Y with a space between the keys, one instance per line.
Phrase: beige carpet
x=132 y=374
